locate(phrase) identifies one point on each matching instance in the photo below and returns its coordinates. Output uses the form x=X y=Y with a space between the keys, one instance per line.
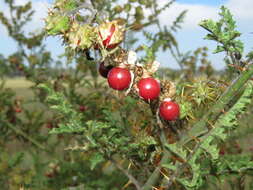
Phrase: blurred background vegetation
x=31 y=158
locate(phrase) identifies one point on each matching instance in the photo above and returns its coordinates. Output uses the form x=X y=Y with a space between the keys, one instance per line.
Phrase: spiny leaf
x=224 y=32
x=229 y=120
x=179 y=151
x=95 y=159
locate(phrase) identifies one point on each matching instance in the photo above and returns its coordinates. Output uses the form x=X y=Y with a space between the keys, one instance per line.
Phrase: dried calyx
x=121 y=67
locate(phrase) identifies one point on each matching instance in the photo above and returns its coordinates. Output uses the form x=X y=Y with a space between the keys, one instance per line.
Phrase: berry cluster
x=118 y=65
x=123 y=72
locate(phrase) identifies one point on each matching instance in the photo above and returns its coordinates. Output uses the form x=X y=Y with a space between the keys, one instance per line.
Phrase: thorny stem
x=200 y=127
x=130 y=176
x=180 y=167
x=152 y=180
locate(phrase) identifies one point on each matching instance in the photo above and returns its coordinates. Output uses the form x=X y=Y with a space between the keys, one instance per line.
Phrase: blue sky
x=189 y=37
x=205 y=2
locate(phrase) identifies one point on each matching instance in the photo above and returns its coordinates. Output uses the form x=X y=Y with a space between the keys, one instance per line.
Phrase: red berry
x=82 y=108
x=49 y=125
x=149 y=88
x=119 y=78
x=104 y=70
x=18 y=110
x=169 y=110
x=222 y=152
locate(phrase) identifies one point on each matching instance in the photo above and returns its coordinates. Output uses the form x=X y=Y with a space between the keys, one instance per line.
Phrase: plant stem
x=32 y=140
x=130 y=176
x=200 y=127
x=152 y=180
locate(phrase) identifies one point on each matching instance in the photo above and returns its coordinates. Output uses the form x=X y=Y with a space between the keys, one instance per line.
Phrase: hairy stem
x=152 y=180
x=130 y=176
x=200 y=127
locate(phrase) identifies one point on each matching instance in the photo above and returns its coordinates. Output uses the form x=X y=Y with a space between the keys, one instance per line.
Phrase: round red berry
x=149 y=88
x=104 y=70
x=169 y=110
x=82 y=108
x=119 y=78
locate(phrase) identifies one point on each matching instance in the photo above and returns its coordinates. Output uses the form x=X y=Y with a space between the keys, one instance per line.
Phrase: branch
x=130 y=176
x=23 y=134
x=152 y=180
x=200 y=127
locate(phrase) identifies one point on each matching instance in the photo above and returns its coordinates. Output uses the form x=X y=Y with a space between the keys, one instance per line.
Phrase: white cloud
x=37 y=23
x=41 y=9
x=191 y=35
x=241 y=9
x=195 y=13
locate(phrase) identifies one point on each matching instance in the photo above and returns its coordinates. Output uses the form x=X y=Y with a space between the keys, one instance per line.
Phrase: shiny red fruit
x=104 y=70
x=119 y=78
x=169 y=110
x=149 y=88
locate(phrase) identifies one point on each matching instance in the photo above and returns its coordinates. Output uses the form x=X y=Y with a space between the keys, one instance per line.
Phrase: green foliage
x=108 y=139
x=207 y=145
x=71 y=119
x=96 y=159
x=174 y=148
x=66 y=5
x=94 y=131
x=234 y=163
x=16 y=159
x=57 y=24
x=224 y=31
x=230 y=120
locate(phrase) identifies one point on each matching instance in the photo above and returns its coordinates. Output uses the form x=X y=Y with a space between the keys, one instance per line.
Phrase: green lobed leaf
x=95 y=159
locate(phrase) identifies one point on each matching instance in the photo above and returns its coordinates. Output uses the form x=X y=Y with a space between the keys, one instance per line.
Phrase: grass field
x=20 y=86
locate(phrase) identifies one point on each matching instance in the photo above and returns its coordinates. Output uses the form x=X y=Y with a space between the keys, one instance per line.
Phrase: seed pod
x=80 y=36
x=111 y=34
